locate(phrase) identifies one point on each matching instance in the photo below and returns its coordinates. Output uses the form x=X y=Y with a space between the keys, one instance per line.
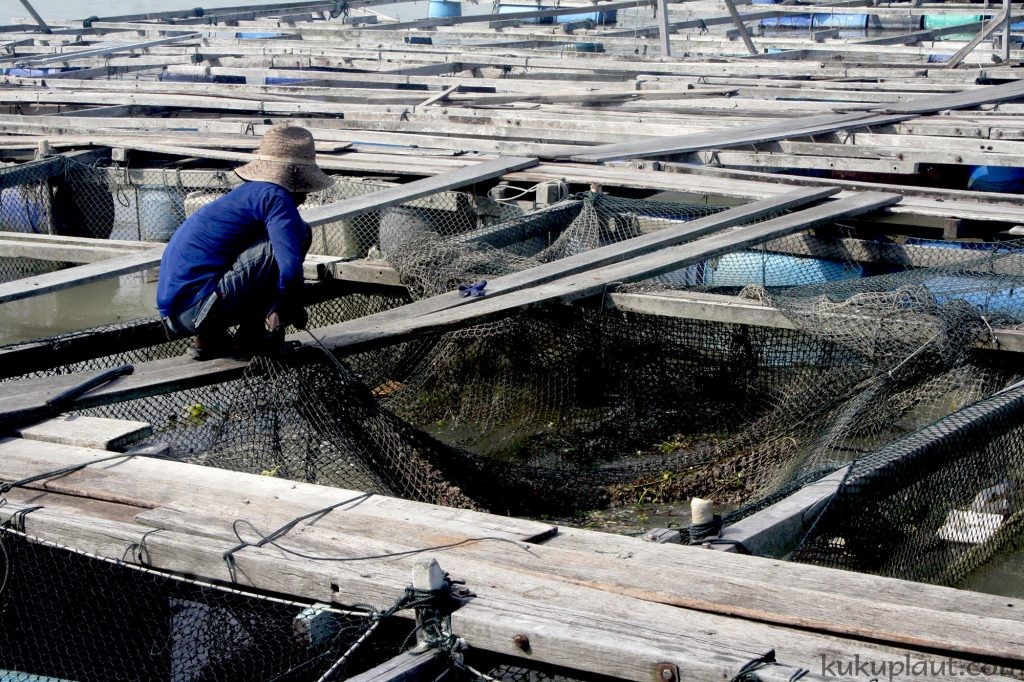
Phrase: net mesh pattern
x=560 y=408
x=68 y=615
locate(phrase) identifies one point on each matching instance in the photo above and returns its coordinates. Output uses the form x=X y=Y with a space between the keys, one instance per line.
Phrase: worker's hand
x=299 y=318
x=294 y=315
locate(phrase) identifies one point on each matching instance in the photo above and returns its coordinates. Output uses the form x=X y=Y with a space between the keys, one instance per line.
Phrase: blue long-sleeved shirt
x=206 y=245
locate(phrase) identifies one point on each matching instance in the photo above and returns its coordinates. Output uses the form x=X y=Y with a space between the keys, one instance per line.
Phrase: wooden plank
x=732 y=137
x=594 y=258
x=735 y=310
x=441 y=95
x=355 y=335
x=65 y=57
x=766 y=600
x=35 y=16
x=81 y=274
x=985 y=32
x=406 y=667
x=740 y=26
x=776 y=530
x=393 y=196
x=89 y=432
x=504 y=576
x=20 y=458
x=802 y=127
x=630 y=645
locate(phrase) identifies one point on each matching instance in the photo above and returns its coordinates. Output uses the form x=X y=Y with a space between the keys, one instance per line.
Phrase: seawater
x=82 y=9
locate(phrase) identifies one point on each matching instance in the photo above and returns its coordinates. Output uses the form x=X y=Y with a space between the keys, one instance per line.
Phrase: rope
x=64 y=471
x=748 y=672
x=280 y=532
x=437 y=635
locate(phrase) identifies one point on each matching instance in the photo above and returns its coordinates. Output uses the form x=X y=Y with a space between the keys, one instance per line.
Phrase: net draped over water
x=631 y=396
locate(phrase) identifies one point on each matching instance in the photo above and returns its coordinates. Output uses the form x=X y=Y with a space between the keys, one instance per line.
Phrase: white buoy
x=701 y=511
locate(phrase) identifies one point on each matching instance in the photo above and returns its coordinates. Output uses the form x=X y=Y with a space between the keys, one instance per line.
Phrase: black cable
x=64 y=471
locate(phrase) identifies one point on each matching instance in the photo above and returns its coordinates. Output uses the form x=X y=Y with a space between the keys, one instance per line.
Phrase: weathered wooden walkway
x=589 y=601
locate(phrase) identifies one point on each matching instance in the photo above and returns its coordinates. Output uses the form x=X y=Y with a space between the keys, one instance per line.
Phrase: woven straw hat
x=287 y=157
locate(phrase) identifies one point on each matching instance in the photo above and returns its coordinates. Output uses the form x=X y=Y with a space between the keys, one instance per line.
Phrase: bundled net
x=934 y=505
x=68 y=615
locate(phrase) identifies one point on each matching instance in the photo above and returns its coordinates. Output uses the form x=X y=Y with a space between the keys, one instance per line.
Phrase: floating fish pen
x=548 y=282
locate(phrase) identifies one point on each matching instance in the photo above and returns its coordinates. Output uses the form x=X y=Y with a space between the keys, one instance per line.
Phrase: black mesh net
x=69 y=615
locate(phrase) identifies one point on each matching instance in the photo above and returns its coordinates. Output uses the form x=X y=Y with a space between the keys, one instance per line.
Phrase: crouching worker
x=238 y=260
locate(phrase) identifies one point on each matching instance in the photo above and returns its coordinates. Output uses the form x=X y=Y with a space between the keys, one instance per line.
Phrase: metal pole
x=666 y=49
x=35 y=15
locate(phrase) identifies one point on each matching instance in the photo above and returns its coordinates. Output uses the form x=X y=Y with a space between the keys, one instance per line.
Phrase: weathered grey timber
x=633 y=613
x=100 y=51
x=775 y=530
x=80 y=274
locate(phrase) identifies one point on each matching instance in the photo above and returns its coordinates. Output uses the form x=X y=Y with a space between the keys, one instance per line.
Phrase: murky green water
x=91 y=305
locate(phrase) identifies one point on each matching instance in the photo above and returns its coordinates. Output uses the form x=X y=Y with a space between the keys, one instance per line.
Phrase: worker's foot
x=250 y=343
x=209 y=346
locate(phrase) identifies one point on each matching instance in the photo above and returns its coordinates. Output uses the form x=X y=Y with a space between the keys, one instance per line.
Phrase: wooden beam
x=88 y=432
x=776 y=530
x=406 y=667
x=740 y=26
x=392 y=196
x=985 y=32
x=97 y=52
x=801 y=127
x=28 y=398
x=35 y=16
x=81 y=274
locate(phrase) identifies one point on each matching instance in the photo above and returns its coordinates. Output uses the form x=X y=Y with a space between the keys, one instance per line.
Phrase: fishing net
x=739 y=378
x=65 y=614
x=932 y=506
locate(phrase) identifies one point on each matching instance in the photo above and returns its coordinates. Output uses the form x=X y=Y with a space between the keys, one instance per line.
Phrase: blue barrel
x=418 y=40
x=859 y=21
x=441 y=9
x=945 y=20
x=281 y=80
x=512 y=9
x=598 y=18
x=775 y=270
x=908 y=23
x=585 y=47
x=996 y=179
x=788 y=21
x=36 y=73
x=1008 y=301
x=257 y=35
x=161 y=210
x=24 y=210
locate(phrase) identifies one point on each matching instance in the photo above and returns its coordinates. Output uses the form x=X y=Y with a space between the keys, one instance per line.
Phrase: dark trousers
x=244 y=296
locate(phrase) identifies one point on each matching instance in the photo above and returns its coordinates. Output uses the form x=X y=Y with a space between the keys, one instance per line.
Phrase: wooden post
x=663 y=31
x=426 y=575
x=1006 y=31
x=985 y=32
x=742 y=28
x=39 y=20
